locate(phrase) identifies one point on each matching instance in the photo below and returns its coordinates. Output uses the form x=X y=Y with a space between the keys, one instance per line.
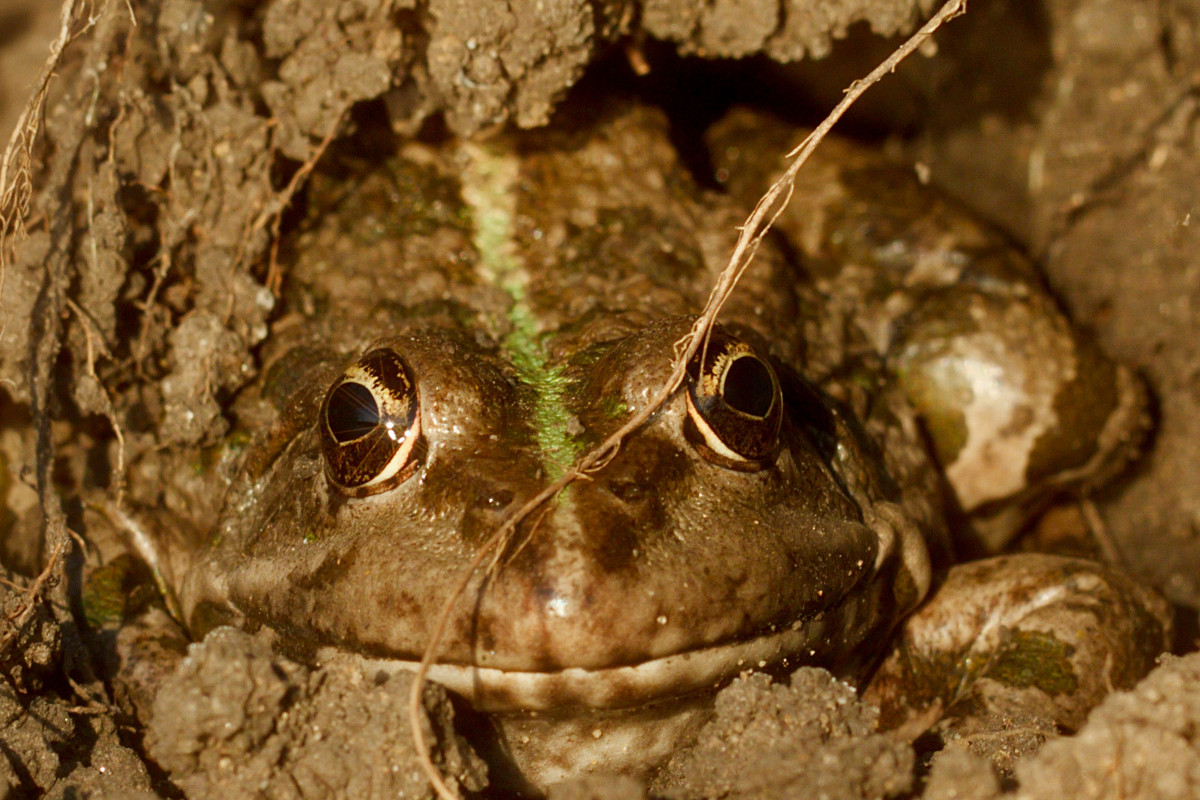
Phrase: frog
x=463 y=320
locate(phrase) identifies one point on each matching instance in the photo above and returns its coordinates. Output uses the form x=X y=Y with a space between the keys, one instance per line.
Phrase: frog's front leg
x=1032 y=641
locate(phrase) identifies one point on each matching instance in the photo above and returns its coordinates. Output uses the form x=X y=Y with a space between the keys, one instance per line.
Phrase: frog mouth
x=491 y=689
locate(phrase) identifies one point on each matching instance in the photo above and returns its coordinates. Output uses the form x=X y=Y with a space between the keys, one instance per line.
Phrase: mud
x=179 y=132
x=237 y=721
x=810 y=735
x=59 y=740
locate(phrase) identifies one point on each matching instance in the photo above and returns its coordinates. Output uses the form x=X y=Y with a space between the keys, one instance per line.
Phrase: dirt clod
x=1137 y=744
x=236 y=721
x=813 y=735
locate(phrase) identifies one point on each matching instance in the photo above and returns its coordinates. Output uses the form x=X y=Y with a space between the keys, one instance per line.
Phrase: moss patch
x=1034 y=659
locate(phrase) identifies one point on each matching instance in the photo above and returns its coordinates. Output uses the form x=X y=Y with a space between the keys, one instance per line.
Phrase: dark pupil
x=748 y=387
x=352 y=412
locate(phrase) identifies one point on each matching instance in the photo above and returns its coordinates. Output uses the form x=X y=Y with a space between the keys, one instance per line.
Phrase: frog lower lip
x=499 y=690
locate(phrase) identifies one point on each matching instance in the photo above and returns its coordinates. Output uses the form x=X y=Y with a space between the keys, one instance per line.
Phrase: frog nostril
x=496 y=500
x=627 y=490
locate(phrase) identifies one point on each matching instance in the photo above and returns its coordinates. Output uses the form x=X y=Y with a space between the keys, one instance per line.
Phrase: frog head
x=744 y=525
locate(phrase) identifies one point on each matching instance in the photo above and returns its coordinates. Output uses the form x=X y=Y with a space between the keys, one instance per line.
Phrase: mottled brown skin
x=668 y=571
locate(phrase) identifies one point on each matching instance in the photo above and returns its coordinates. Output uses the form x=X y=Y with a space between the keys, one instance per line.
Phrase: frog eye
x=735 y=405
x=369 y=425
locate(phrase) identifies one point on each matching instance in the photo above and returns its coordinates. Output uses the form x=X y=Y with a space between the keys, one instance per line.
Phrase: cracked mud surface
x=1073 y=125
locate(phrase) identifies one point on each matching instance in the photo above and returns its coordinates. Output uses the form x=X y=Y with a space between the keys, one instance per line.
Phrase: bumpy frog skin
x=779 y=510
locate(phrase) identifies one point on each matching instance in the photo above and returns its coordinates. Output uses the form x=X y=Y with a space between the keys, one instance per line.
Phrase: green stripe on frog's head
x=488 y=178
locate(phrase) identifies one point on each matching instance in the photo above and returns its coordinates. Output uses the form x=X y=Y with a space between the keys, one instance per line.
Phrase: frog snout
x=574 y=594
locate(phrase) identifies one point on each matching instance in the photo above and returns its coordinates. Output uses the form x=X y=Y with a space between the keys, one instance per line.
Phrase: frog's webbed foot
x=1016 y=648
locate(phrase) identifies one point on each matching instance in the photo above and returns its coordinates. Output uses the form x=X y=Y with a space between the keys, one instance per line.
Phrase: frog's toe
x=1014 y=648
